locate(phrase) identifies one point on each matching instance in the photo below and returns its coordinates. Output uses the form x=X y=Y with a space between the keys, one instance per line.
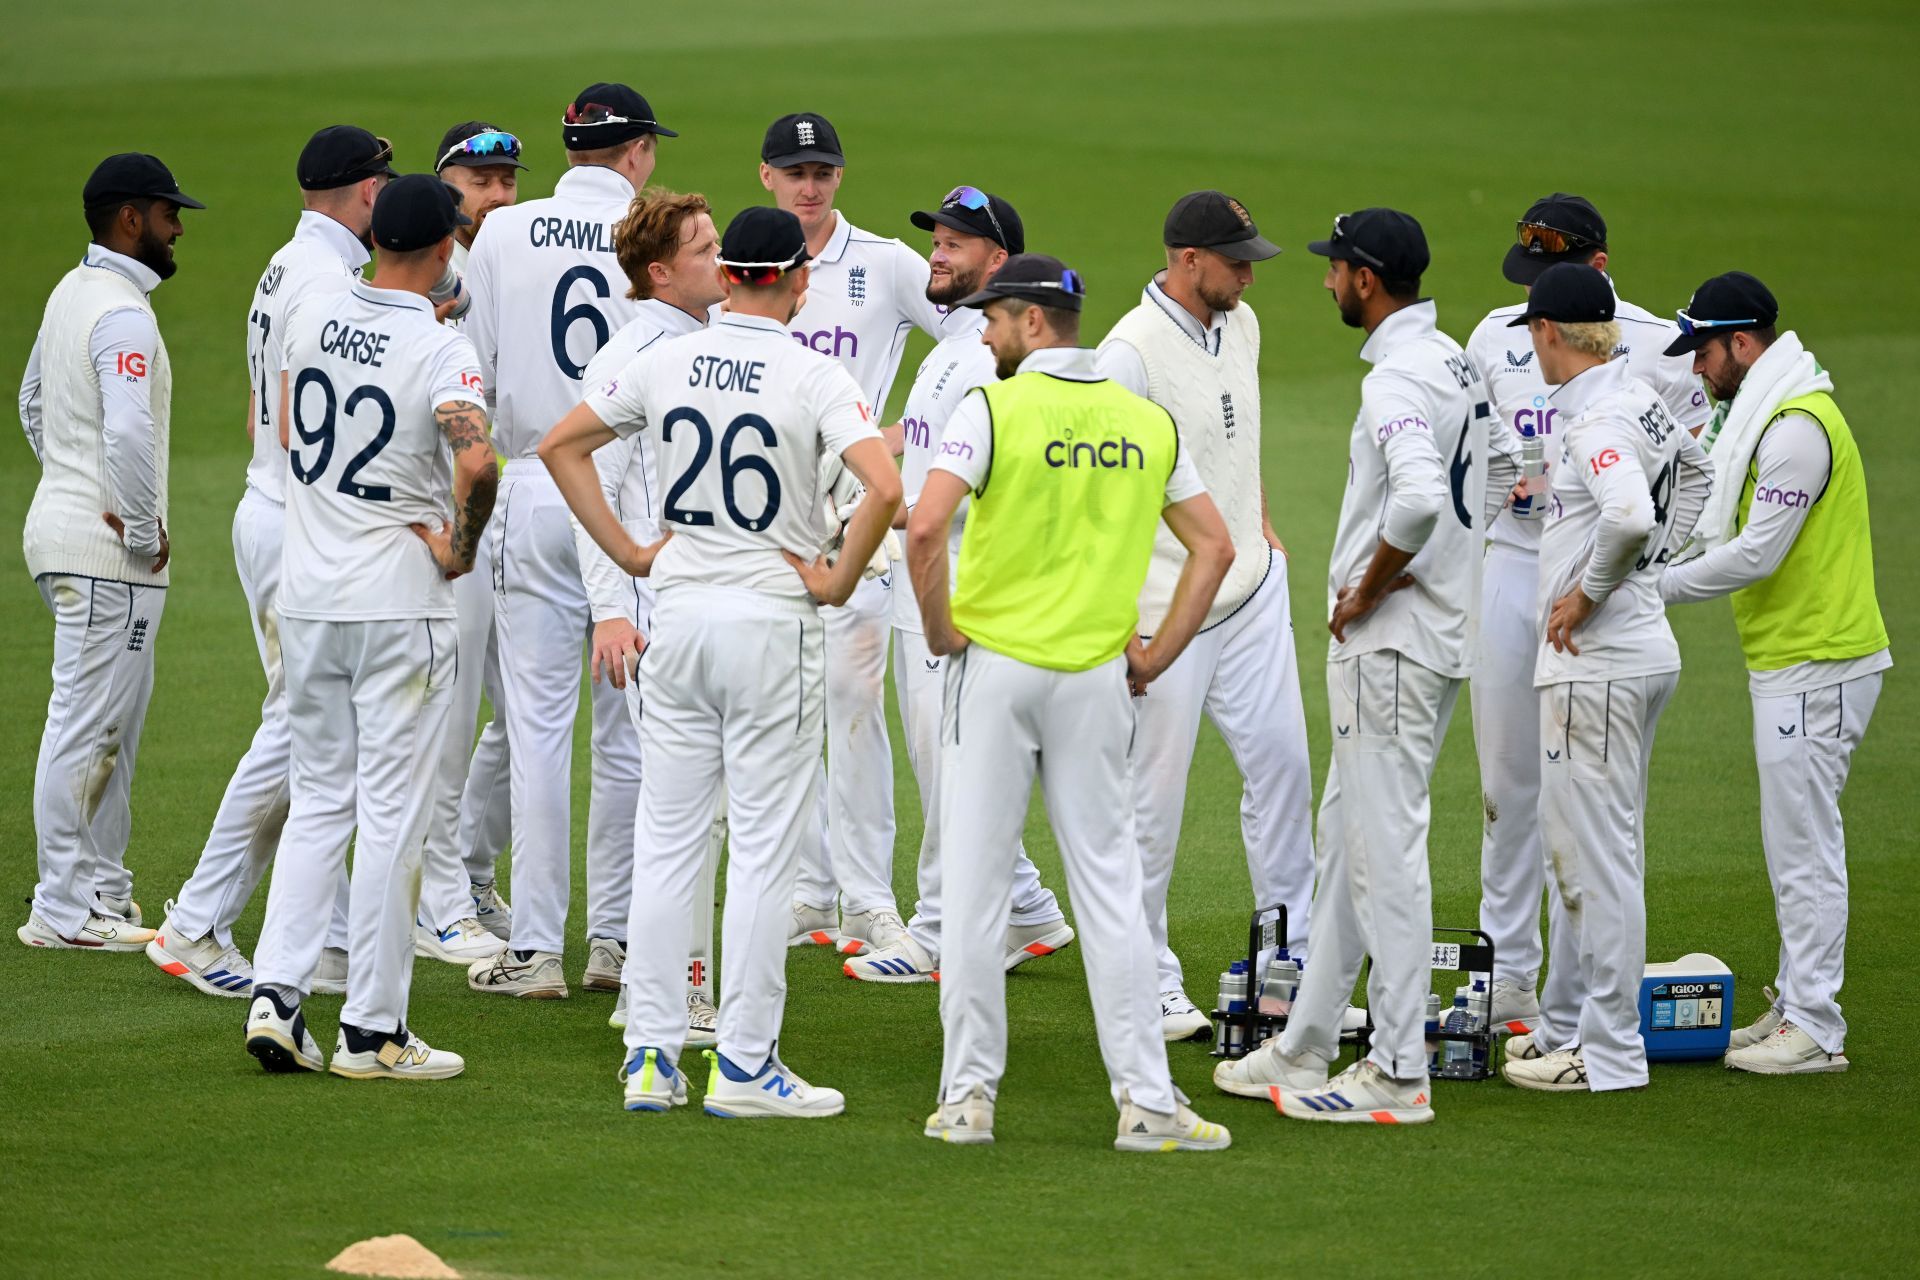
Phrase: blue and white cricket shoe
x=904 y=961
x=201 y=962
x=652 y=1082
x=490 y=909
x=773 y=1090
x=462 y=942
x=1362 y=1094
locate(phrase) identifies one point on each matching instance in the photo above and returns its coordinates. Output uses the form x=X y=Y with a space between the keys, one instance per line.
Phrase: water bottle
x=1433 y=1028
x=451 y=285
x=1533 y=473
x=1480 y=1005
x=1229 y=1036
x=1283 y=981
x=1456 y=1056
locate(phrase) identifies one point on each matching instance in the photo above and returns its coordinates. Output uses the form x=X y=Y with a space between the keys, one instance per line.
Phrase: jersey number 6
x=322 y=435
x=730 y=468
x=565 y=317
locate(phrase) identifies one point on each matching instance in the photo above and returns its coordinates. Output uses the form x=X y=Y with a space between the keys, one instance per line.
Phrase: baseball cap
x=1568 y=292
x=1032 y=277
x=977 y=213
x=341 y=155
x=1556 y=228
x=133 y=175
x=605 y=115
x=474 y=144
x=761 y=243
x=804 y=137
x=416 y=211
x=1215 y=220
x=1387 y=241
x=1725 y=304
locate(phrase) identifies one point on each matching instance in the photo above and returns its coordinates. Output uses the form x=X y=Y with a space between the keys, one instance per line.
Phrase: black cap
x=1571 y=216
x=606 y=115
x=1570 y=293
x=1386 y=241
x=977 y=213
x=1033 y=277
x=133 y=175
x=494 y=146
x=805 y=137
x=341 y=155
x=417 y=211
x=1215 y=220
x=764 y=237
x=1724 y=304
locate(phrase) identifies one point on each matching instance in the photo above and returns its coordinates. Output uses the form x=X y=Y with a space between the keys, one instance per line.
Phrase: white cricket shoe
x=904 y=961
x=813 y=927
x=1768 y=1023
x=1143 y=1130
x=490 y=909
x=1362 y=1094
x=1267 y=1073
x=1514 y=1008
x=330 y=978
x=537 y=977
x=391 y=1055
x=125 y=908
x=774 y=1090
x=462 y=942
x=618 y=1018
x=1522 y=1048
x=605 y=959
x=652 y=1083
x=277 y=1036
x=1180 y=1020
x=1562 y=1071
x=875 y=930
x=968 y=1122
x=703 y=1020
x=201 y=962
x=1031 y=941
x=1789 y=1051
x=97 y=933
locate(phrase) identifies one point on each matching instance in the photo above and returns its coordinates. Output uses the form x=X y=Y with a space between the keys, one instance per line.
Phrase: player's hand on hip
x=1567 y=614
x=1142 y=670
x=1350 y=605
x=440 y=544
x=616 y=643
x=637 y=560
x=120 y=531
x=824 y=582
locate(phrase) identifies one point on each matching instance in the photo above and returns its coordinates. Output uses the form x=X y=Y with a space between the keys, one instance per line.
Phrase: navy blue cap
x=133 y=175
x=341 y=155
x=804 y=137
x=606 y=115
x=1032 y=277
x=1569 y=293
x=1386 y=241
x=416 y=211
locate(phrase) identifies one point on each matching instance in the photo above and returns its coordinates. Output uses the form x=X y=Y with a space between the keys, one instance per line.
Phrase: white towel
x=1784 y=371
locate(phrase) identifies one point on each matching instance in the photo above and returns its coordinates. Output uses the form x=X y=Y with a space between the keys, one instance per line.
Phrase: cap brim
x=1523 y=268
x=813 y=155
x=927 y=221
x=1252 y=249
x=664 y=132
x=480 y=162
x=1687 y=344
x=461 y=220
x=1327 y=249
x=184 y=200
x=1039 y=297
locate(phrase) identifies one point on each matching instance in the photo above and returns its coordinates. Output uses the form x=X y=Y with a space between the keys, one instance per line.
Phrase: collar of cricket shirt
x=1408 y=324
x=1583 y=388
x=1208 y=338
x=1072 y=363
x=144 y=278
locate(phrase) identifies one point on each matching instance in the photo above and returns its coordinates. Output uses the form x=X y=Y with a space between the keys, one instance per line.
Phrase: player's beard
x=957 y=287
x=1350 y=309
x=154 y=251
x=1007 y=363
x=1219 y=301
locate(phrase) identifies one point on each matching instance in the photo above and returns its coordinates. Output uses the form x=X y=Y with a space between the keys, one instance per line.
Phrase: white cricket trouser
x=731 y=697
x=853 y=858
x=367 y=702
x=103 y=637
x=1005 y=722
x=1242 y=672
x=1375 y=896
x=920 y=680
x=1506 y=735
x=468 y=828
x=1804 y=744
x=1597 y=741
x=246 y=828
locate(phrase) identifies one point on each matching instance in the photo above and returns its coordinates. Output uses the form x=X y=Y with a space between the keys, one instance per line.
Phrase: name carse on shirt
x=362 y=346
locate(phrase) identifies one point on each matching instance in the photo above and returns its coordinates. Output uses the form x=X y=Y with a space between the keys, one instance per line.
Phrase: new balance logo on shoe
x=778 y=1084
x=395 y=1054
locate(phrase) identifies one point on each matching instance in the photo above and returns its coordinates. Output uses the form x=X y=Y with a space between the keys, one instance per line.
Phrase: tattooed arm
x=476 y=478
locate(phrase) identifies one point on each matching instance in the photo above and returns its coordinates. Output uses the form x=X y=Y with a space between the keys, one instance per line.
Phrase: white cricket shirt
x=369 y=367
x=957 y=364
x=1524 y=402
x=864 y=293
x=323 y=256
x=548 y=292
x=743 y=414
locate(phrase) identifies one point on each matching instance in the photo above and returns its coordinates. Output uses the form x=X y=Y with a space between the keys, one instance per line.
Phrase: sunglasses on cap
x=1347 y=246
x=974 y=199
x=761 y=273
x=593 y=113
x=494 y=142
x=1069 y=282
x=1536 y=237
x=1690 y=326
x=382 y=156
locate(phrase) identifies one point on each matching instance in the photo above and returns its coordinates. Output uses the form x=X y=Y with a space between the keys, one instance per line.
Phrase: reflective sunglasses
x=1069 y=283
x=1537 y=237
x=594 y=113
x=975 y=199
x=494 y=142
x=1347 y=246
x=1690 y=326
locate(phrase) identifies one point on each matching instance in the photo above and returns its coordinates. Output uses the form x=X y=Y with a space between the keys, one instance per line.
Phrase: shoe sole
x=1176 y=1036
x=535 y=993
x=432 y=951
x=45 y=943
x=653 y=1105
x=328 y=989
x=1380 y=1115
x=898 y=979
x=960 y=1138
x=180 y=969
x=1837 y=1063
x=277 y=1054
x=1161 y=1146
x=1039 y=947
x=381 y=1073
x=747 y=1110
x=1542 y=1086
x=700 y=1040
x=815 y=938
x=1264 y=1092
x=591 y=981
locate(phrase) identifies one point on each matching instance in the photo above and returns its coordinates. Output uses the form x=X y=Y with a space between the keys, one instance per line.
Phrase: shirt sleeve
x=1396 y=422
x=840 y=407
x=30 y=399
x=122 y=348
x=482 y=326
x=967 y=447
x=619 y=402
x=910 y=279
x=456 y=373
x=1118 y=361
x=1604 y=457
x=1503 y=460
x=609 y=590
x=1792 y=464
x=1183 y=481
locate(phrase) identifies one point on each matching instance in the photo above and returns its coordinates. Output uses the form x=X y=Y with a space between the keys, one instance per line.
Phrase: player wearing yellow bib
x=1070 y=476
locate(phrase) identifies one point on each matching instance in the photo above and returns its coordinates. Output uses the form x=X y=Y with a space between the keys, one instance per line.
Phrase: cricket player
x=866 y=293
x=1506 y=707
x=1402 y=592
x=546 y=297
x=1070 y=474
x=341 y=170
x=96 y=404
x=974 y=233
x=458 y=894
x=1193 y=348
x=666 y=244
x=1788 y=538
x=385 y=404
x=731 y=680
x=1631 y=484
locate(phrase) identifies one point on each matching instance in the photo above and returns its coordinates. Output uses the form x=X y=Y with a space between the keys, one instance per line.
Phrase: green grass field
x=136 y=1137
